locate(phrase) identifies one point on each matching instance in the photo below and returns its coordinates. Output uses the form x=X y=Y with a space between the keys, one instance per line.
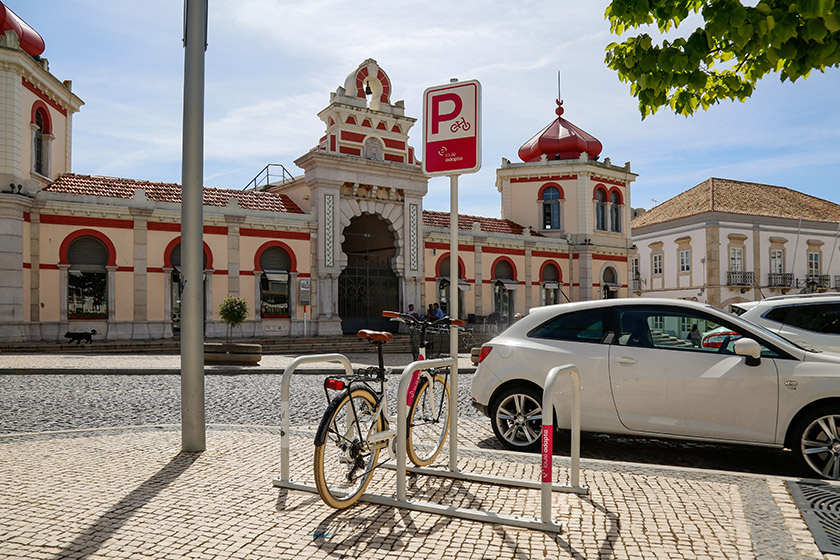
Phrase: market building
x=322 y=253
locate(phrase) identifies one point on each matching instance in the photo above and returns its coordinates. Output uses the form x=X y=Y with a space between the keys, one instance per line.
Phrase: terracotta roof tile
x=92 y=185
x=494 y=225
x=739 y=197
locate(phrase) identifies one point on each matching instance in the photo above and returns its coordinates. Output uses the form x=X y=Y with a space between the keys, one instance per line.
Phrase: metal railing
x=784 y=279
x=266 y=178
x=819 y=280
x=740 y=278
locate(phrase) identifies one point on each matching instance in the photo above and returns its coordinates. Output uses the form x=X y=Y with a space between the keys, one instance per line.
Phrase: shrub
x=233 y=311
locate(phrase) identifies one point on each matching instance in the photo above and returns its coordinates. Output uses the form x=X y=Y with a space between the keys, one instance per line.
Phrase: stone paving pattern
x=128 y=492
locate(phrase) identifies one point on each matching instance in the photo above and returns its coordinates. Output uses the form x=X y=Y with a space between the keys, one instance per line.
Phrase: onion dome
x=30 y=41
x=560 y=140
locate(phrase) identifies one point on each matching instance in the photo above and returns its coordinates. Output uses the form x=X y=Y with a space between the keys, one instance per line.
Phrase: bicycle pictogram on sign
x=461 y=124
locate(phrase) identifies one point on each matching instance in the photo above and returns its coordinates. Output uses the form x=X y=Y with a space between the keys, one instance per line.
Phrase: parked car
x=810 y=320
x=640 y=375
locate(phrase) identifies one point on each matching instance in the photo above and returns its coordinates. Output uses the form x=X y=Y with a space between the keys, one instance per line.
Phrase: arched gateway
x=368 y=284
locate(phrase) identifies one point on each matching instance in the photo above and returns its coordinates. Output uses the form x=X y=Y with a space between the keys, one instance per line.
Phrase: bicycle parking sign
x=451 y=128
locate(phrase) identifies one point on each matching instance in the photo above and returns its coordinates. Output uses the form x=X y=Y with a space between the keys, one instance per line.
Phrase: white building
x=727 y=241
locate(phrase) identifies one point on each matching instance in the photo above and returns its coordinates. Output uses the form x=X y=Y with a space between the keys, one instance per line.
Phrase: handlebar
x=426 y=321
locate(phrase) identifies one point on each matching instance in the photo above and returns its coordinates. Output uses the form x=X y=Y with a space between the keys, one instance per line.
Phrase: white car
x=641 y=374
x=810 y=320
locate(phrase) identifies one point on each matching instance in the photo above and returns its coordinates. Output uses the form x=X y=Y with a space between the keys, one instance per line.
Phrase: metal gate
x=368 y=285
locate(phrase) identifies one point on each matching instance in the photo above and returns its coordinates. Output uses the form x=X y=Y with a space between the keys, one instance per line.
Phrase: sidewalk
x=130 y=493
x=147 y=364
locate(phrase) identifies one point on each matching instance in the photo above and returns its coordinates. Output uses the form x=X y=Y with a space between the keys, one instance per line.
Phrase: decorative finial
x=559 y=110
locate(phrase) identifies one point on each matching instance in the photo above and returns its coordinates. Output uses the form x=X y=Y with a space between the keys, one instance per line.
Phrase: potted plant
x=233 y=311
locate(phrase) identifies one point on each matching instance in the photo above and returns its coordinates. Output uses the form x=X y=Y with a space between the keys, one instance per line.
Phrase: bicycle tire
x=343 y=462
x=428 y=421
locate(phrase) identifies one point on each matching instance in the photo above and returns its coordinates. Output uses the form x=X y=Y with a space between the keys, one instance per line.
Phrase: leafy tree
x=233 y=311
x=725 y=59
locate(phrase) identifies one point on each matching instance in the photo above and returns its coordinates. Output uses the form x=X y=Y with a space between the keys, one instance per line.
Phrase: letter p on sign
x=451 y=128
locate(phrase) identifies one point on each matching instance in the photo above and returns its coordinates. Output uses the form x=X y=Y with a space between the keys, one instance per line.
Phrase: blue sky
x=271 y=65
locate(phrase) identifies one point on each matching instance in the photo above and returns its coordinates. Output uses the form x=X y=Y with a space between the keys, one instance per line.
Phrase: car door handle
x=625 y=360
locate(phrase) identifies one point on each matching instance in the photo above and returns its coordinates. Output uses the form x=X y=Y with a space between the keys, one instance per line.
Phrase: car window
x=583 y=326
x=822 y=318
x=779 y=314
x=678 y=329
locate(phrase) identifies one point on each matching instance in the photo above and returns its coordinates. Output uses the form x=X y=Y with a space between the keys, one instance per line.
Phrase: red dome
x=560 y=140
x=30 y=41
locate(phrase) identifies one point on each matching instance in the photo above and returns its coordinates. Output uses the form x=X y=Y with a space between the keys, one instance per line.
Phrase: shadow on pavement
x=92 y=538
x=653 y=451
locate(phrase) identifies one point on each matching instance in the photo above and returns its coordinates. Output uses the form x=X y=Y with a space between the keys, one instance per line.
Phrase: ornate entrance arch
x=368 y=284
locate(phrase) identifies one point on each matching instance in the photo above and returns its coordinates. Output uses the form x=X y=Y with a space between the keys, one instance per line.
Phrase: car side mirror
x=749 y=348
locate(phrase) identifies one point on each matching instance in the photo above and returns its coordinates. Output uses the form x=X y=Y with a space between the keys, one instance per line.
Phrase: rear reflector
x=485 y=351
x=334 y=384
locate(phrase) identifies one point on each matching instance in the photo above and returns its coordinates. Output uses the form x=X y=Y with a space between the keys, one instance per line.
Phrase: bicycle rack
x=545 y=486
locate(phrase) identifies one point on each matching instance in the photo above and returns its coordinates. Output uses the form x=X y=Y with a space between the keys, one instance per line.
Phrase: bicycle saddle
x=377 y=336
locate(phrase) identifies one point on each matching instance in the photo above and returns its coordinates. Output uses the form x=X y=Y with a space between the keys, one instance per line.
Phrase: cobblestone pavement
x=111 y=492
x=131 y=493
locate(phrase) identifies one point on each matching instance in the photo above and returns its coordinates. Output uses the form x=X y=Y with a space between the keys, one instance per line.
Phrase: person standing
x=694 y=336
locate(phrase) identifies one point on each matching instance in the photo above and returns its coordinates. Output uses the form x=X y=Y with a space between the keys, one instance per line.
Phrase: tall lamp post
x=192 y=218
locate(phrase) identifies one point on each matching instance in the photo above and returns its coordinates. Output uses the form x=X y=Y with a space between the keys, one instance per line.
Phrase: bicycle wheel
x=344 y=462
x=428 y=421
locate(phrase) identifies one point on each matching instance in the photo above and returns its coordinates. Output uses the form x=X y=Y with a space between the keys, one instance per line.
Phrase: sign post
x=451 y=146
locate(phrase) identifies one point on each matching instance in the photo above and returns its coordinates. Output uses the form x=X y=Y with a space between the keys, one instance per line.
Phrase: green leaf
x=832 y=22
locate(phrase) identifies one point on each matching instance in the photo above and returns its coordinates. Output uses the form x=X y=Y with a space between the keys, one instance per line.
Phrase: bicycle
x=356 y=426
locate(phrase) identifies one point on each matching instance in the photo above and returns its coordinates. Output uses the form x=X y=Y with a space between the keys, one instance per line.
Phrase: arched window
x=551 y=209
x=40 y=145
x=615 y=212
x=275 y=264
x=600 y=210
x=87 y=279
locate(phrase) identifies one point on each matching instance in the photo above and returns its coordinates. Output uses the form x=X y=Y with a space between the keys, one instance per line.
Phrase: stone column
x=112 y=329
x=167 y=303
x=234 y=265
x=208 y=303
x=64 y=322
x=529 y=246
x=140 y=324
x=12 y=325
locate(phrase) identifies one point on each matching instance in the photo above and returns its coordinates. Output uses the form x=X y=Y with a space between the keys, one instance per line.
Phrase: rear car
x=810 y=320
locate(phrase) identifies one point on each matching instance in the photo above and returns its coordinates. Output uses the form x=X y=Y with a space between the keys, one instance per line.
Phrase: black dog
x=78 y=337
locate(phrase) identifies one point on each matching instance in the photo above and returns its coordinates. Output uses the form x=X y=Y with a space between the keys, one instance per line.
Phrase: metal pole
x=192 y=184
x=453 y=313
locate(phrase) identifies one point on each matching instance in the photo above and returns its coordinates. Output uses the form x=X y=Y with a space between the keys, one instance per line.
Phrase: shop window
x=274 y=284
x=87 y=279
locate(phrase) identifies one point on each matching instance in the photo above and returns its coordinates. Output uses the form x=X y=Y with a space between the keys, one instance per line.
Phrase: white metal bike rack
x=546 y=486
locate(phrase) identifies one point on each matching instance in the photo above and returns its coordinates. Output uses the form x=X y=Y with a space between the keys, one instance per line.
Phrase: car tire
x=816 y=442
x=516 y=417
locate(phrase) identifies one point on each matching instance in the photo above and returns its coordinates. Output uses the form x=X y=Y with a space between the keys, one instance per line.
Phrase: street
x=36 y=403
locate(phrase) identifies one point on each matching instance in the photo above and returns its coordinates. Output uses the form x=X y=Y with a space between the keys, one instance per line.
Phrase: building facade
x=726 y=241
x=322 y=253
